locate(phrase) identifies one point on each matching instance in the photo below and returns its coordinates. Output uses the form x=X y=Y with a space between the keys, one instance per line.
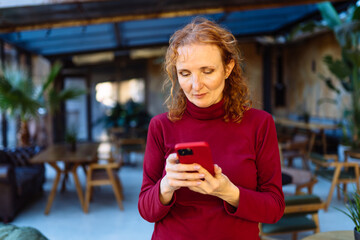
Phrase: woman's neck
x=213 y=112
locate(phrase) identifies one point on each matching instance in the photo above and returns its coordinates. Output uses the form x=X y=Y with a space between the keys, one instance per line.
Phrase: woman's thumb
x=217 y=169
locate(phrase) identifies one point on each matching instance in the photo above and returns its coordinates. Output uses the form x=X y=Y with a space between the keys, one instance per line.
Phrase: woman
x=209 y=102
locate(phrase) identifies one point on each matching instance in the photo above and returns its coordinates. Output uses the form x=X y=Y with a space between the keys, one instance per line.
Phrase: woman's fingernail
x=196 y=167
x=201 y=175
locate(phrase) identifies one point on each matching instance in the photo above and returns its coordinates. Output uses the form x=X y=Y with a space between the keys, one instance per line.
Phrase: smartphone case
x=196 y=152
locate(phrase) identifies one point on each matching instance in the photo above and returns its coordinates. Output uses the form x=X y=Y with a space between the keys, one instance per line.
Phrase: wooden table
x=333 y=235
x=85 y=153
x=313 y=128
x=352 y=153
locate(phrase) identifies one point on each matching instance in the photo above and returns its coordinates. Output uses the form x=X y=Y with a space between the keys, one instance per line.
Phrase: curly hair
x=236 y=92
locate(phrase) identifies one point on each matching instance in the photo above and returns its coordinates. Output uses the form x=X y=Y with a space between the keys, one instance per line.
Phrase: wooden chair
x=301 y=178
x=297 y=147
x=301 y=214
x=128 y=146
x=104 y=174
x=328 y=167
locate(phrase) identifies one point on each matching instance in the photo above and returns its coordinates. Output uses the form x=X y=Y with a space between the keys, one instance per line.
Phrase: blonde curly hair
x=236 y=92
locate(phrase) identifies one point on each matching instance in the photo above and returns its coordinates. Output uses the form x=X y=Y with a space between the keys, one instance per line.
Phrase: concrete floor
x=106 y=222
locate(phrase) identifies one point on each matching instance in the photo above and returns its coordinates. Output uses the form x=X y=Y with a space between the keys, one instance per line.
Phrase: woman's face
x=201 y=73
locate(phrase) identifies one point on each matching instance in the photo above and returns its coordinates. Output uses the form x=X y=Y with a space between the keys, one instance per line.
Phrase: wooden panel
x=138 y=10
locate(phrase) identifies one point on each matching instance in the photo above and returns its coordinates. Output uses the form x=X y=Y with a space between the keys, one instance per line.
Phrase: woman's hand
x=178 y=175
x=218 y=185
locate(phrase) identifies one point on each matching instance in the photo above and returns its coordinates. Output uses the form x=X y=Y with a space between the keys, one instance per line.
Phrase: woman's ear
x=229 y=68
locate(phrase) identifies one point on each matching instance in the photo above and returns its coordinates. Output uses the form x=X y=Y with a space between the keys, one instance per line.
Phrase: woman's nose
x=197 y=83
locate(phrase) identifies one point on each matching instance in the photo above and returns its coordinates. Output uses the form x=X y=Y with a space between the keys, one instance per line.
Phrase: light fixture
x=93 y=58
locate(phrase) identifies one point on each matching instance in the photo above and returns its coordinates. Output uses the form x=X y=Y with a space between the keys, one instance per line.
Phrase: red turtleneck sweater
x=248 y=154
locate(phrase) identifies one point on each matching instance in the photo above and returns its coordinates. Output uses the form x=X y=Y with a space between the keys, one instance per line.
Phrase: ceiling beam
x=34 y=3
x=239 y=6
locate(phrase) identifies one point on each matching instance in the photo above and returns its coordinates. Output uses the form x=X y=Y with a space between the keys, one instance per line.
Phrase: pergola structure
x=54 y=28
x=73 y=29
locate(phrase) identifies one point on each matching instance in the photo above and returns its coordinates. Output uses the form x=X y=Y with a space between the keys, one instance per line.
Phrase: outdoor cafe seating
x=100 y=174
x=330 y=168
x=20 y=181
x=301 y=214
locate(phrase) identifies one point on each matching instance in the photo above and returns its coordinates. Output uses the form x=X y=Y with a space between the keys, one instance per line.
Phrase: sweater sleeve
x=266 y=204
x=149 y=205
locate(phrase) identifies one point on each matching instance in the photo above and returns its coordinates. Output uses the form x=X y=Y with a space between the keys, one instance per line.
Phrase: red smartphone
x=195 y=152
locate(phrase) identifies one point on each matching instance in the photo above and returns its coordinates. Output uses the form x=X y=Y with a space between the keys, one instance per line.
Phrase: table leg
x=312 y=141
x=67 y=168
x=323 y=138
x=53 y=189
x=77 y=184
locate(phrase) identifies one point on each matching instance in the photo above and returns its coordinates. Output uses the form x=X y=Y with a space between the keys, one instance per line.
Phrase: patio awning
x=68 y=27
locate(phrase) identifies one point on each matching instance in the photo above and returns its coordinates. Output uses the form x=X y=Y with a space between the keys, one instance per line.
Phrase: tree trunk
x=49 y=128
x=23 y=135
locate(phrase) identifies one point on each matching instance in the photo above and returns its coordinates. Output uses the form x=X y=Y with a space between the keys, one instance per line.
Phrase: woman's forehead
x=198 y=53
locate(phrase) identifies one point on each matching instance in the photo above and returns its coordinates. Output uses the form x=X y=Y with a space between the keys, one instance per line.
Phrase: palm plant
x=346 y=69
x=20 y=97
x=18 y=94
x=353 y=210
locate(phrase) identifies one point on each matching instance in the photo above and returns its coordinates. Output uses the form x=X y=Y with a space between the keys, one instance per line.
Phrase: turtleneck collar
x=208 y=113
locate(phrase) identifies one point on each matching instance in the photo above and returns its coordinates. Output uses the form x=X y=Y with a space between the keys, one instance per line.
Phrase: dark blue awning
x=142 y=33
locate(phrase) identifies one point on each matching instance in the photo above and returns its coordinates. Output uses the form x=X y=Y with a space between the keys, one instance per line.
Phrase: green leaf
x=56 y=98
x=347 y=34
x=17 y=93
x=54 y=71
x=329 y=14
x=68 y=94
x=326 y=100
x=353 y=56
x=338 y=67
x=356 y=13
x=353 y=209
x=307 y=27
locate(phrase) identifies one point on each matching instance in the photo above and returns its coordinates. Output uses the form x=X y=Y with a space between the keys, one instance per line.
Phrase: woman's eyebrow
x=207 y=67
x=201 y=68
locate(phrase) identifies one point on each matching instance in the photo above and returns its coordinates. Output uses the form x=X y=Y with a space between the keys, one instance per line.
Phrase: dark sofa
x=20 y=181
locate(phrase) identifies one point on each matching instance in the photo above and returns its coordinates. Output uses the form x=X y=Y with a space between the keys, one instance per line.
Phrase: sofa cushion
x=290 y=224
x=11 y=232
x=4 y=158
x=7 y=174
x=26 y=179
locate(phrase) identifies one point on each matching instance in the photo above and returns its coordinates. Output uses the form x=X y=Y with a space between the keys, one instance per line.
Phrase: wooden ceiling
x=56 y=27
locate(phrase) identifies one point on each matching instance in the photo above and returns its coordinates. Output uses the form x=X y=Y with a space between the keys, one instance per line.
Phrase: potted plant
x=20 y=97
x=353 y=212
x=132 y=119
x=71 y=138
x=347 y=68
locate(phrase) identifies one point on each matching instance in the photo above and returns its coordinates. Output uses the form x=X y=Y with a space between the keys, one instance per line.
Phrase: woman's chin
x=201 y=103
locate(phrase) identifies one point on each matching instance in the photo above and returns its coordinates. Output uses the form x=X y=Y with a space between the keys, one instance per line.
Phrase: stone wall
x=303 y=62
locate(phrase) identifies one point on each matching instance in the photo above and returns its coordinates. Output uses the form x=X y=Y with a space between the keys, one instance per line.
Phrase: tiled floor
x=106 y=222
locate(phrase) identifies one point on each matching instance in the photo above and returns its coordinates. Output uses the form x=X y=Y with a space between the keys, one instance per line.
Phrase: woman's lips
x=199 y=95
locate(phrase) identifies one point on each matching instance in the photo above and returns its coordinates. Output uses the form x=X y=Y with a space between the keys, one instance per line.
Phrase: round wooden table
x=353 y=153
x=333 y=235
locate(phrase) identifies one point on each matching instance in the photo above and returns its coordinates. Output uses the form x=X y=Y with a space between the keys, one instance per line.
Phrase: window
x=76 y=109
x=107 y=94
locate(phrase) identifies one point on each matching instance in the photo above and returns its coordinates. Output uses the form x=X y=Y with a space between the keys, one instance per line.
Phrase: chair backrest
x=329 y=167
x=301 y=214
x=99 y=174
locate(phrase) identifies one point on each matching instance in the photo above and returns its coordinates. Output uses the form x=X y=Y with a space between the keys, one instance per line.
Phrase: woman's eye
x=184 y=74
x=208 y=71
